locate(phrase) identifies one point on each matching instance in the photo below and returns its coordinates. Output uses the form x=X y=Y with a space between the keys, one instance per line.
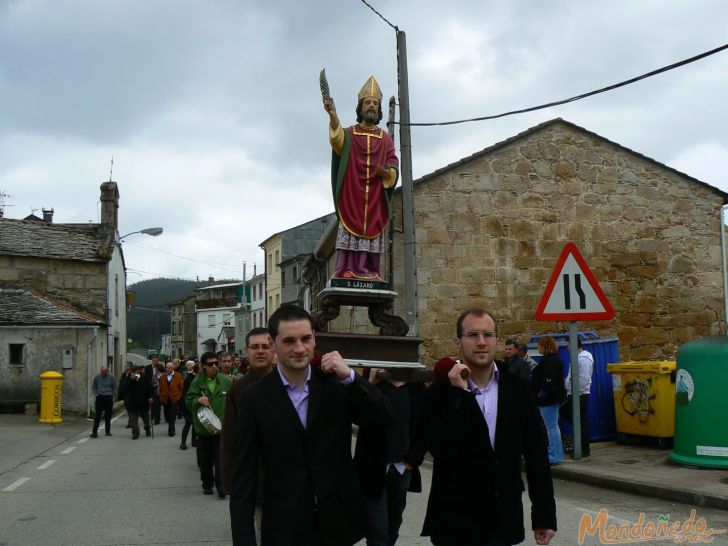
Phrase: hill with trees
x=149 y=318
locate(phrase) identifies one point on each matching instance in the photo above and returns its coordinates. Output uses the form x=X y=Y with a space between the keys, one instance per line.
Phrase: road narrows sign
x=573 y=292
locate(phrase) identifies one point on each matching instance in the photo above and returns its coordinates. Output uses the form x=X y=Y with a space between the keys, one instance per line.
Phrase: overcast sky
x=212 y=111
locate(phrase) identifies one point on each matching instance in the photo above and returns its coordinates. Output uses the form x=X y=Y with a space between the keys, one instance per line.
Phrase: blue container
x=602 y=422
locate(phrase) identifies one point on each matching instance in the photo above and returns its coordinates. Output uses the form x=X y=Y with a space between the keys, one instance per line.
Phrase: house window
x=270 y=262
x=278 y=301
x=210 y=320
x=17 y=354
x=226 y=319
x=295 y=273
x=116 y=296
x=283 y=278
x=174 y=328
x=278 y=258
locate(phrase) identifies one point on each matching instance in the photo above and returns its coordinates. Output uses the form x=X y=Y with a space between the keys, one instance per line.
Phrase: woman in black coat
x=548 y=386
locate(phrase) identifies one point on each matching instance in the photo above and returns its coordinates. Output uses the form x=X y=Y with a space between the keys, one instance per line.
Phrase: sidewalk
x=646 y=470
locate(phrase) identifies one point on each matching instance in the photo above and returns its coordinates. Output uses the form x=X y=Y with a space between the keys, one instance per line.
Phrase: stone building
x=491 y=226
x=62 y=303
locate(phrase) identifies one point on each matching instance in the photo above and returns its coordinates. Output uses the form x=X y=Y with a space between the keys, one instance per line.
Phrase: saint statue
x=364 y=171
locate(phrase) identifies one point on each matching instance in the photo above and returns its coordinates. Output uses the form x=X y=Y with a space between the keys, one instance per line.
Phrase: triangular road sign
x=573 y=293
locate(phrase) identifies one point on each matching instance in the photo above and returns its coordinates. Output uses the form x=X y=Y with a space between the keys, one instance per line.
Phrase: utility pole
x=408 y=223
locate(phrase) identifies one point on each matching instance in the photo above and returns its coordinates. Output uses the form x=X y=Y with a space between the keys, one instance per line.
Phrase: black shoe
x=94 y=435
x=170 y=434
x=221 y=494
x=183 y=446
x=149 y=433
x=128 y=426
x=135 y=436
x=156 y=422
x=194 y=443
x=108 y=433
x=207 y=490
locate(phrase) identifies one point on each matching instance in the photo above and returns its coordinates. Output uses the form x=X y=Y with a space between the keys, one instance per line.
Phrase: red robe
x=362 y=201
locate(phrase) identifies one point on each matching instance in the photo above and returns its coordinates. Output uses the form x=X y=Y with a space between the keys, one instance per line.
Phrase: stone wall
x=81 y=285
x=489 y=231
x=44 y=352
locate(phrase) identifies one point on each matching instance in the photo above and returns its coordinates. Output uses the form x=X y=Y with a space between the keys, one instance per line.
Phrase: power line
x=577 y=97
x=380 y=15
x=167 y=253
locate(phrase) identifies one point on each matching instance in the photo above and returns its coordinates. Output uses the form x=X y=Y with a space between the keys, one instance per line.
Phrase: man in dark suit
x=297 y=420
x=477 y=429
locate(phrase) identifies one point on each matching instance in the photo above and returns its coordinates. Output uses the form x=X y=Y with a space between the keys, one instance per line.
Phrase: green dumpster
x=701 y=413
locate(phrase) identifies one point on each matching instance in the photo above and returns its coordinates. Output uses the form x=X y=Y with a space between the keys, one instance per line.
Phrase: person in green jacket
x=208 y=389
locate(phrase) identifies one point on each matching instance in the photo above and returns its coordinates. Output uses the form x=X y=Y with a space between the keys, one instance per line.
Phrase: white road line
x=67 y=450
x=114 y=419
x=82 y=441
x=13 y=486
x=46 y=464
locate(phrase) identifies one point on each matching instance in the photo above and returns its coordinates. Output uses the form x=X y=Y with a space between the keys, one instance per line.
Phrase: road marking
x=67 y=450
x=82 y=441
x=117 y=417
x=46 y=464
x=13 y=486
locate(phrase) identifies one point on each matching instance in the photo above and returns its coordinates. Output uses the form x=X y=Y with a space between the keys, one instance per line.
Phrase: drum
x=209 y=420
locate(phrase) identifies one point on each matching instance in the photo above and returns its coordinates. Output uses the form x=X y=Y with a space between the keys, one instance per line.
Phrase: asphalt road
x=57 y=486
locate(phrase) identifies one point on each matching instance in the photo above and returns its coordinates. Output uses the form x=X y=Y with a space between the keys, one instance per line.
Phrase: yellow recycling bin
x=644 y=398
x=51 y=389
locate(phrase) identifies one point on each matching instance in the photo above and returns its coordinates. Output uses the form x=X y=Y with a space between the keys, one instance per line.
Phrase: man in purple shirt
x=477 y=429
x=297 y=421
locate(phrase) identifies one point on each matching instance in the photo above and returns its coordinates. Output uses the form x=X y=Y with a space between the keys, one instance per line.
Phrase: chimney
x=48 y=215
x=109 y=206
x=211 y=279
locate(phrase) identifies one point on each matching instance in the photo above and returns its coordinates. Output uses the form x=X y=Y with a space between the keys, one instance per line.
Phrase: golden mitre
x=371 y=89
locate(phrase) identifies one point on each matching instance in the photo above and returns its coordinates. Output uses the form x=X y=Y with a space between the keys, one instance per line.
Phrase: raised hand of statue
x=330 y=108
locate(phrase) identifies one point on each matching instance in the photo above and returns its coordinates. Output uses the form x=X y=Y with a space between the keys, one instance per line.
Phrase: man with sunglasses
x=209 y=389
x=477 y=429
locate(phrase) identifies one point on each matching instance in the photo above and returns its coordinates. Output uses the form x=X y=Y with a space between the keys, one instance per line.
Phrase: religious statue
x=364 y=171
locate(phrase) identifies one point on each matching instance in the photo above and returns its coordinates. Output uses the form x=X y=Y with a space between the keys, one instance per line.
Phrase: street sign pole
x=573 y=293
x=575 y=395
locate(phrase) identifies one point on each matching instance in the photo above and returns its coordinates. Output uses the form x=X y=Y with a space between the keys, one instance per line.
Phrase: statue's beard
x=371 y=116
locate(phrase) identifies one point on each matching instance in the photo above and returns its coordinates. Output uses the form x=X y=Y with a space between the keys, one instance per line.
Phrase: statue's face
x=370 y=109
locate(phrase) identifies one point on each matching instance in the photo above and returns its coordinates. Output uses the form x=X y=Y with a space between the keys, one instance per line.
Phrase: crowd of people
x=272 y=430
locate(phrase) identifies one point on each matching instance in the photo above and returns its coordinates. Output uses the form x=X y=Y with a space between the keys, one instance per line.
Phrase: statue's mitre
x=371 y=89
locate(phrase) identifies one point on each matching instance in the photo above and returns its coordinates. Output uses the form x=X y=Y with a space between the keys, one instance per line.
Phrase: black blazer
x=548 y=381
x=370 y=453
x=475 y=490
x=300 y=465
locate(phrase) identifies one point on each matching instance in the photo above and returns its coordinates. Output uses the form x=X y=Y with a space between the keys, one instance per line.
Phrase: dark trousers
x=385 y=512
x=104 y=403
x=208 y=458
x=186 y=429
x=134 y=417
x=566 y=413
x=170 y=415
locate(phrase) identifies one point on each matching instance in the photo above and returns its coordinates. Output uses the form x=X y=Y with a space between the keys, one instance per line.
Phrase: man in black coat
x=381 y=461
x=477 y=429
x=297 y=420
x=137 y=393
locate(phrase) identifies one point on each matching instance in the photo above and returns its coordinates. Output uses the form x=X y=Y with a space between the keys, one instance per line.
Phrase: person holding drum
x=206 y=400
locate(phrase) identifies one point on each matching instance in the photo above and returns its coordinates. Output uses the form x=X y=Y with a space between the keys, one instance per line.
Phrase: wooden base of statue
x=392 y=349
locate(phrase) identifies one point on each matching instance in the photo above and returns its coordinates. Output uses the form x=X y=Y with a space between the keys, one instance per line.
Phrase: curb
x=642 y=488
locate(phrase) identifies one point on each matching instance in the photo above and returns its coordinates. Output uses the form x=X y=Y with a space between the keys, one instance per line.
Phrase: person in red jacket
x=170 y=393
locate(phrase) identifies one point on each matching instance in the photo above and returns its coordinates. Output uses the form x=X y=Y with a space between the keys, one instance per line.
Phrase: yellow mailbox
x=51 y=389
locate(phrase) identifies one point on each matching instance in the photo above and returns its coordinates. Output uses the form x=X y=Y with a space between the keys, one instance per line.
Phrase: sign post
x=573 y=293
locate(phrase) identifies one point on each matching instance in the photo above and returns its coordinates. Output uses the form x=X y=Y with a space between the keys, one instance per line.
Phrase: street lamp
x=153 y=231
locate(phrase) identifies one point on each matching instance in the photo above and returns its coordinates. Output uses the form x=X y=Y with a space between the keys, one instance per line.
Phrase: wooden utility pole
x=410 y=247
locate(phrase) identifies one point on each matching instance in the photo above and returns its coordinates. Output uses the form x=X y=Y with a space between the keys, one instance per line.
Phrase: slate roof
x=39 y=239
x=20 y=307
